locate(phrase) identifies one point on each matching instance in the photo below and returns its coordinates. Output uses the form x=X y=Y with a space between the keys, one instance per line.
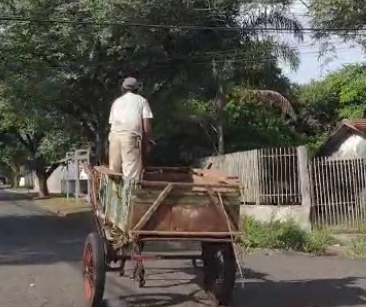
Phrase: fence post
x=257 y=176
x=304 y=176
x=77 y=176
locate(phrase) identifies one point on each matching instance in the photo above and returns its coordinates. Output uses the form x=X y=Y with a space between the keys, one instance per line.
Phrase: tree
x=35 y=137
x=192 y=133
x=340 y=18
x=13 y=158
x=322 y=104
x=173 y=63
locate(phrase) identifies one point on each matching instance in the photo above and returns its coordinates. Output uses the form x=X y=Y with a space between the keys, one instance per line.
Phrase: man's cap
x=129 y=84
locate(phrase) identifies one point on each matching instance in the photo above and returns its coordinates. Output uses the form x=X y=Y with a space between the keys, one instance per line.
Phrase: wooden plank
x=189 y=175
x=187 y=218
x=106 y=170
x=181 y=201
x=222 y=210
x=203 y=177
x=189 y=188
x=167 y=168
x=186 y=238
x=178 y=196
x=147 y=193
x=216 y=176
x=196 y=173
x=147 y=183
x=154 y=207
x=233 y=209
x=184 y=233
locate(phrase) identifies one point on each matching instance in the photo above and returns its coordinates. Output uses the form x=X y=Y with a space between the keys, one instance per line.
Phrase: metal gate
x=338 y=190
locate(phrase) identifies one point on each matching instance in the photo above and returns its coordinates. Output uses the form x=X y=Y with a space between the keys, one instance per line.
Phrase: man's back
x=127 y=113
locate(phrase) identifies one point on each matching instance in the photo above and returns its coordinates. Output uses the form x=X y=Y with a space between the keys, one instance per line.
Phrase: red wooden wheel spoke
x=93 y=270
x=88 y=271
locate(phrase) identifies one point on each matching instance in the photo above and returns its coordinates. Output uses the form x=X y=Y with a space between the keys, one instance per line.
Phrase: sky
x=313 y=68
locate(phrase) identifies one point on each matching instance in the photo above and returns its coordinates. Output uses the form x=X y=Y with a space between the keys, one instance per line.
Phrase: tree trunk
x=99 y=149
x=15 y=177
x=15 y=181
x=42 y=182
x=219 y=104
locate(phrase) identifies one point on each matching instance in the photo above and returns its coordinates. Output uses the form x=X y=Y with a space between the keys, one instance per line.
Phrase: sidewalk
x=61 y=206
x=56 y=204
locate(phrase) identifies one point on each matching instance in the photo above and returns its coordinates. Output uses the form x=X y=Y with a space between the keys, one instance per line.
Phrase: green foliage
x=358 y=247
x=69 y=73
x=332 y=15
x=34 y=132
x=323 y=104
x=283 y=235
x=317 y=241
x=249 y=126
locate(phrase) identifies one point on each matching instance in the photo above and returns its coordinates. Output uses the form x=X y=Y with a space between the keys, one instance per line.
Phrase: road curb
x=66 y=211
x=12 y=193
x=62 y=211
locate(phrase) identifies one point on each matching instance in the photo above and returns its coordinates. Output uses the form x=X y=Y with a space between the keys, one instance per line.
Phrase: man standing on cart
x=130 y=129
x=130 y=120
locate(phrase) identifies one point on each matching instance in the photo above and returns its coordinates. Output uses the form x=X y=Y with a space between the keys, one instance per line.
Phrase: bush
x=317 y=241
x=358 y=247
x=283 y=235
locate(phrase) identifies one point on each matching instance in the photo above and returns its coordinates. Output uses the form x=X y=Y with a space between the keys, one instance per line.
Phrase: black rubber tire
x=219 y=271
x=98 y=265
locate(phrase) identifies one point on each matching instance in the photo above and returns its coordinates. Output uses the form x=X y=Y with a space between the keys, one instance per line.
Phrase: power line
x=125 y=24
x=170 y=26
x=224 y=56
x=244 y=61
x=262 y=60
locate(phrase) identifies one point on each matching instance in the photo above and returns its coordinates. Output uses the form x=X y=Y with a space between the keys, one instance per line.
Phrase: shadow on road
x=37 y=237
x=42 y=239
x=300 y=293
x=16 y=195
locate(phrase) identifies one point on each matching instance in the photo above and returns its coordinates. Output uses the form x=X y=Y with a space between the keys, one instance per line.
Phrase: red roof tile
x=357 y=124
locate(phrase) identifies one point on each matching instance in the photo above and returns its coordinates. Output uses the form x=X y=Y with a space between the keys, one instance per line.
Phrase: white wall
x=352 y=148
x=59 y=175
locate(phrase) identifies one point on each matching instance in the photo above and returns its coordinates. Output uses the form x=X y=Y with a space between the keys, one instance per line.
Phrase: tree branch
x=52 y=168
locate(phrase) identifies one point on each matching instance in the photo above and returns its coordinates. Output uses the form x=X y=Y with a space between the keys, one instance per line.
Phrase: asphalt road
x=40 y=267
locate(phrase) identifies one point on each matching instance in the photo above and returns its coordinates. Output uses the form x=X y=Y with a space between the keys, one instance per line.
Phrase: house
x=347 y=141
x=338 y=176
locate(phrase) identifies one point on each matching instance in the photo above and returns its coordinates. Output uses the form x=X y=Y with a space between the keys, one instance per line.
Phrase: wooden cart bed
x=182 y=202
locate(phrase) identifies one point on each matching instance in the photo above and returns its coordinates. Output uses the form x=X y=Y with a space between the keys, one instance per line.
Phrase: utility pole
x=219 y=104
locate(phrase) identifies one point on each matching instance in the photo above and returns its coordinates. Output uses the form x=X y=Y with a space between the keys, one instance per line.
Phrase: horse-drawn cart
x=167 y=204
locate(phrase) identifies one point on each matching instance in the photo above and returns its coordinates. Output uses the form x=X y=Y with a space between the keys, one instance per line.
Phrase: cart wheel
x=94 y=270
x=219 y=268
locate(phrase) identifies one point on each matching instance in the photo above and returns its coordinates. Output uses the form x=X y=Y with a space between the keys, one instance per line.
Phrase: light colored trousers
x=125 y=158
x=125 y=155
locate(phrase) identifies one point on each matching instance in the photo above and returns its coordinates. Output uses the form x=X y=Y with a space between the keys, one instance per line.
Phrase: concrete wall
x=54 y=181
x=264 y=213
x=57 y=181
x=353 y=147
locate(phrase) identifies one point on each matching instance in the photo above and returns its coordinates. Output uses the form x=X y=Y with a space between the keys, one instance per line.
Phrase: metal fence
x=338 y=192
x=268 y=176
x=335 y=189
x=279 y=176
